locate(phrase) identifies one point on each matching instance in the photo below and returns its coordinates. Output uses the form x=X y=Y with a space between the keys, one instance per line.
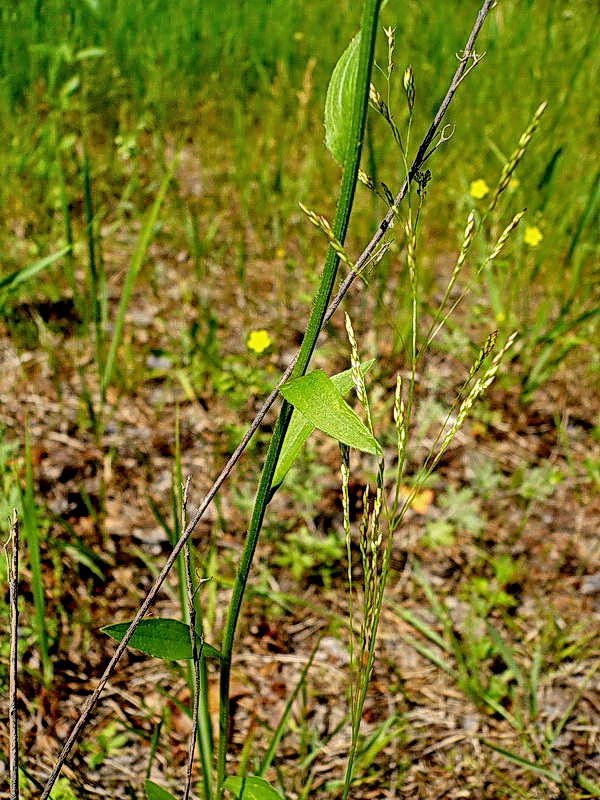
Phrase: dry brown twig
x=423 y=153
x=11 y=551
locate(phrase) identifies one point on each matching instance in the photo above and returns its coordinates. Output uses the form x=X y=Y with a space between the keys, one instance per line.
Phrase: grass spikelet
x=400 y=418
x=504 y=236
x=488 y=347
x=323 y=224
x=411 y=249
x=478 y=387
x=516 y=157
x=408 y=82
x=367 y=181
x=378 y=104
x=357 y=375
x=390 y=34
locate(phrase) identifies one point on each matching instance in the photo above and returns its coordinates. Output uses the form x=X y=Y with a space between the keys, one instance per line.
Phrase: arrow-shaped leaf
x=161 y=638
x=156 y=792
x=317 y=398
x=300 y=428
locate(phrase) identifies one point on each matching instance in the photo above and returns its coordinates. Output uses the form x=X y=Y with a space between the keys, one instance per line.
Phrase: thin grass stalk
x=135 y=265
x=95 y=287
x=228 y=468
x=66 y=213
x=279 y=730
x=342 y=218
x=12 y=568
x=371 y=626
x=196 y=655
x=197 y=674
x=30 y=525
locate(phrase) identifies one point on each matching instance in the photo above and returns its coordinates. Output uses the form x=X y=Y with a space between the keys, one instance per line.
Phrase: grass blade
x=146 y=235
x=30 y=526
x=278 y=733
x=523 y=762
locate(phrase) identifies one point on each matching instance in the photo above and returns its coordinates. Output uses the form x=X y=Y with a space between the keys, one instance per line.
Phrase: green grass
x=132 y=132
x=237 y=86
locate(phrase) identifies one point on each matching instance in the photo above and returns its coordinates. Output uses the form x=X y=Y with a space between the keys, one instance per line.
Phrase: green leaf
x=300 y=428
x=317 y=398
x=252 y=788
x=12 y=280
x=146 y=235
x=162 y=638
x=156 y=792
x=523 y=762
x=339 y=102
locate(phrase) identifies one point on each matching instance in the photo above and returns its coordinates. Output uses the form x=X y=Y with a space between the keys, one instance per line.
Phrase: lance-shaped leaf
x=252 y=788
x=156 y=792
x=11 y=281
x=300 y=428
x=161 y=638
x=339 y=102
x=317 y=398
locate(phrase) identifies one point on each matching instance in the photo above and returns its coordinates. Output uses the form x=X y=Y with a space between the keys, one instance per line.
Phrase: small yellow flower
x=421 y=501
x=280 y=252
x=479 y=189
x=259 y=341
x=500 y=316
x=514 y=183
x=533 y=235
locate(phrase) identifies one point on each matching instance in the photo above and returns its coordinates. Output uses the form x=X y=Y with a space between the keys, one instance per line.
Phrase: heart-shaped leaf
x=300 y=428
x=156 y=792
x=252 y=788
x=340 y=101
x=161 y=638
x=317 y=398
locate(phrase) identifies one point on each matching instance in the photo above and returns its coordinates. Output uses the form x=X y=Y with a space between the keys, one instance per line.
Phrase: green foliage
x=251 y=788
x=340 y=101
x=137 y=260
x=9 y=283
x=108 y=742
x=93 y=67
x=317 y=398
x=32 y=529
x=304 y=553
x=161 y=638
x=156 y=792
x=459 y=511
x=536 y=483
x=300 y=428
x=63 y=790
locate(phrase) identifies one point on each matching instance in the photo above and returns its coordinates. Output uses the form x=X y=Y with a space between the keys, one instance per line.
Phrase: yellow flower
x=280 y=252
x=514 y=183
x=533 y=235
x=479 y=189
x=421 y=501
x=258 y=341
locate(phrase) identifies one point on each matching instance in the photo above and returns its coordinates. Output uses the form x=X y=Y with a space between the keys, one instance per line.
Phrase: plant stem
x=12 y=569
x=384 y=225
x=313 y=328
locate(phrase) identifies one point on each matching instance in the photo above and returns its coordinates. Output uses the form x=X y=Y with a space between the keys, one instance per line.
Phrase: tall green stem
x=349 y=179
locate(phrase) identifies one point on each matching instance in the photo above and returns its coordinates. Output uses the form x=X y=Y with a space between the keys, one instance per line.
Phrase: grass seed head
x=408 y=81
